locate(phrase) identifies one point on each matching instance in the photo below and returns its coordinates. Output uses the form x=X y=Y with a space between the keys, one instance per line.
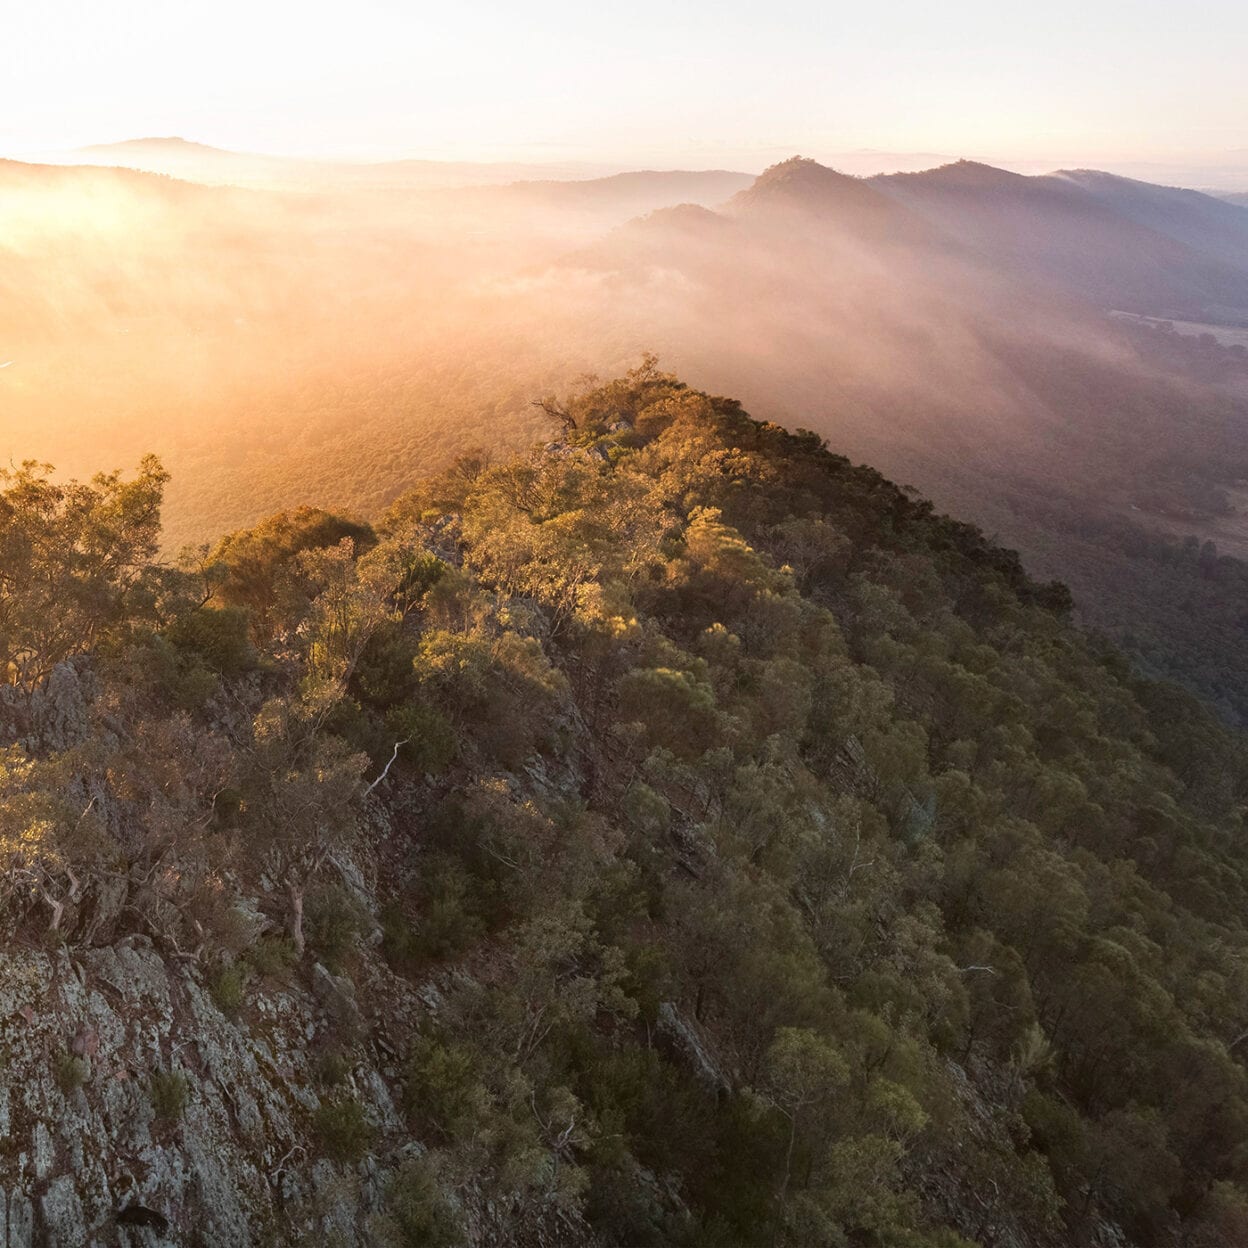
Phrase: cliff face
x=142 y=1105
x=135 y=1111
x=96 y=1161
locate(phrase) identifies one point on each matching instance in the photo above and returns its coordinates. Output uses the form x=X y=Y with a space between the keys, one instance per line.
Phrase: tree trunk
x=788 y=1170
x=295 y=891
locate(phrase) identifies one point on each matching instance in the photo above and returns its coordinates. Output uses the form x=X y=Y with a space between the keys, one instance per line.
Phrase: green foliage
x=492 y=680
x=332 y=1069
x=228 y=987
x=256 y=569
x=46 y=840
x=417 y=1213
x=170 y=1091
x=449 y=920
x=77 y=563
x=217 y=637
x=71 y=1072
x=677 y=709
x=271 y=955
x=335 y=923
x=343 y=1130
x=444 y=1089
x=789 y=869
x=852 y=738
x=429 y=747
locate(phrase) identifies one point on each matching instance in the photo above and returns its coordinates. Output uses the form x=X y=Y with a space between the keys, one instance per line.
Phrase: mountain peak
x=800 y=173
x=802 y=184
x=169 y=145
x=803 y=189
x=965 y=174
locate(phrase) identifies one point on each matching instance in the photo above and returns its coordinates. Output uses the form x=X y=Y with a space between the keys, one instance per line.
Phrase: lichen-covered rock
x=21 y=1220
x=55 y=716
x=337 y=995
x=63 y=1223
x=89 y=1158
x=691 y=1047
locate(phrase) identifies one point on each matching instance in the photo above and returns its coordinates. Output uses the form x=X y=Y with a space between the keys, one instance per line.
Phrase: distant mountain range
x=1117 y=242
x=200 y=162
x=1113 y=242
x=1223 y=176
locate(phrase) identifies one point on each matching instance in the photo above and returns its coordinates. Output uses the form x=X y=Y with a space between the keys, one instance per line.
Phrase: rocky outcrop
x=55 y=716
x=692 y=1048
x=92 y=1154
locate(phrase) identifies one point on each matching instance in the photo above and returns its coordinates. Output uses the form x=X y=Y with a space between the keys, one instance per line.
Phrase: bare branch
x=557 y=412
x=390 y=764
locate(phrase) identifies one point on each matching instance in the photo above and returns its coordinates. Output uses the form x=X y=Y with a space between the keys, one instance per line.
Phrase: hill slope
x=672 y=835
x=215 y=166
x=1070 y=233
x=1204 y=222
x=276 y=348
x=799 y=191
x=1097 y=448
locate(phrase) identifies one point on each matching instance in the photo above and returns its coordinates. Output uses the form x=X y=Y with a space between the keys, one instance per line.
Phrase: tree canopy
x=785 y=865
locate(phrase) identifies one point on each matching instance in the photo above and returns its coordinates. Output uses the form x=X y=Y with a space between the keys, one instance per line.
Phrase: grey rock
x=21 y=1220
x=239 y=1165
x=56 y=716
x=43 y=1151
x=690 y=1045
x=64 y=1225
x=337 y=994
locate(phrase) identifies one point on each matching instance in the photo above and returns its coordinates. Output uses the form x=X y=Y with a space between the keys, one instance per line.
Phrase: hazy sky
x=707 y=82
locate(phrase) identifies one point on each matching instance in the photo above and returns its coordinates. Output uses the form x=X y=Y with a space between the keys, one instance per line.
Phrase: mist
x=242 y=333
x=1001 y=343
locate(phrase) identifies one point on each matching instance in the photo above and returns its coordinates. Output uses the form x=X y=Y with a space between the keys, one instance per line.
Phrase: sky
x=703 y=83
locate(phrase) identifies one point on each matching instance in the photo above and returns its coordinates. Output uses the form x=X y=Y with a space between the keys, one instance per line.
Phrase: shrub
x=170 y=1091
x=443 y=1089
x=332 y=1068
x=677 y=708
x=227 y=987
x=430 y=747
x=182 y=679
x=271 y=955
x=215 y=636
x=258 y=565
x=399 y=941
x=335 y=922
x=383 y=676
x=71 y=1072
x=345 y=1133
x=208 y=905
x=226 y=807
x=417 y=1214
x=449 y=921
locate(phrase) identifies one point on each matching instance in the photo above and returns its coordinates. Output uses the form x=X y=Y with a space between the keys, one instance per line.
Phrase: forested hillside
x=952 y=327
x=674 y=835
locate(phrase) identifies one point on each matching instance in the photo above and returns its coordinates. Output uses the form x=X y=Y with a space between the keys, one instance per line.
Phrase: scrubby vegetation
x=343 y=1130
x=782 y=864
x=71 y=1072
x=170 y=1090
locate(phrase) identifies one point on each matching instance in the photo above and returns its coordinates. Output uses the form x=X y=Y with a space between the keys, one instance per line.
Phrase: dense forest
x=672 y=834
